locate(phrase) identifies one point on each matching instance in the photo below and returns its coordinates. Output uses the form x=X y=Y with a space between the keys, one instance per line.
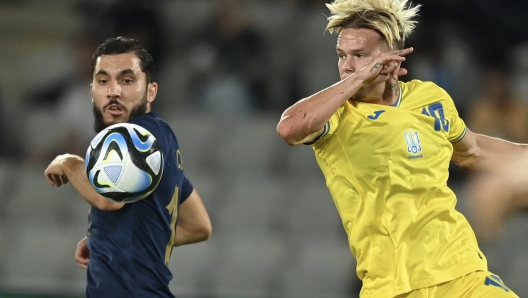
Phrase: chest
x=377 y=136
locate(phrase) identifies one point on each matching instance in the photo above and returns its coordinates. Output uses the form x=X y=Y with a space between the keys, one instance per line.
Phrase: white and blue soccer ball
x=124 y=162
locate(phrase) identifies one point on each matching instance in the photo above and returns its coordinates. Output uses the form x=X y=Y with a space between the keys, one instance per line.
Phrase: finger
x=389 y=68
x=83 y=265
x=81 y=258
x=394 y=73
x=402 y=52
x=56 y=180
x=50 y=180
x=63 y=179
x=391 y=58
x=402 y=72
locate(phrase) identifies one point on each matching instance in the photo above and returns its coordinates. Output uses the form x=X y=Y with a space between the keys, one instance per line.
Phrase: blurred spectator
x=227 y=63
x=309 y=3
x=61 y=108
x=5 y=148
x=137 y=19
x=497 y=111
x=74 y=103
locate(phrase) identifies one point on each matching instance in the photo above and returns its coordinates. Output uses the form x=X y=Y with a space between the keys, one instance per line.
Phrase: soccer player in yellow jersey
x=384 y=148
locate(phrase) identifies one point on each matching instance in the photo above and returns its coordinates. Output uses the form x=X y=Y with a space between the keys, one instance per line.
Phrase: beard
x=138 y=110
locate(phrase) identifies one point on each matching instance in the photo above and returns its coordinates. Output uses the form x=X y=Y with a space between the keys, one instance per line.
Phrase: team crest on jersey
x=414 y=146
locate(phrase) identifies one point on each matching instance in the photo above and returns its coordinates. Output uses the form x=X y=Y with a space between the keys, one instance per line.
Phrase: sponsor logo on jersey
x=376 y=115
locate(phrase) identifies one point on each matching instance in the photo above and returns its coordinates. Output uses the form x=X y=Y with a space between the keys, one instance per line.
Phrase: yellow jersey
x=387 y=168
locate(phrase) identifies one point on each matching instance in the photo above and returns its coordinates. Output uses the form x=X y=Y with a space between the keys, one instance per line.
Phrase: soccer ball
x=124 y=163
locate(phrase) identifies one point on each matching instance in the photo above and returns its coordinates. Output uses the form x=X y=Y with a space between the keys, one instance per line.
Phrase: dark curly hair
x=122 y=45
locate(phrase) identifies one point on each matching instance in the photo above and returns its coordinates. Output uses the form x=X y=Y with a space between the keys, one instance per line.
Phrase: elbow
x=463 y=164
x=467 y=161
x=287 y=134
x=206 y=231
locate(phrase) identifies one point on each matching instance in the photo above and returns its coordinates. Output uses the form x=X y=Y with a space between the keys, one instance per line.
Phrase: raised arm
x=68 y=167
x=193 y=224
x=304 y=121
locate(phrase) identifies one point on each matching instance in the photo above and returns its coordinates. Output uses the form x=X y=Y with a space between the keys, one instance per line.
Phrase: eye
x=360 y=56
x=341 y=56
x=128 y=81
x=102 y=81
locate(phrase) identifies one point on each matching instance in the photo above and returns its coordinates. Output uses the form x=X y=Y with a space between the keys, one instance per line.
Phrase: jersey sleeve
x=330 y=126
x=187 y=189
x=457 y=127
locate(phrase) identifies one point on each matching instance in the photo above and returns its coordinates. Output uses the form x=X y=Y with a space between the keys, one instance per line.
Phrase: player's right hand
x=385 y=66
x=82 y=254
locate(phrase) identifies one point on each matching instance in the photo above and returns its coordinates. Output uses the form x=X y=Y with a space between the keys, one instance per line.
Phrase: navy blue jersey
x=130 y=247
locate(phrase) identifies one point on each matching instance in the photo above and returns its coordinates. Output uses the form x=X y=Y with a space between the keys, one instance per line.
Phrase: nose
x=114 y=89
x=349 y=66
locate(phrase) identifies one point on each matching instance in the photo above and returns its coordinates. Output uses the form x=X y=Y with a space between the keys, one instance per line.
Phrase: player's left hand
x=385 y=66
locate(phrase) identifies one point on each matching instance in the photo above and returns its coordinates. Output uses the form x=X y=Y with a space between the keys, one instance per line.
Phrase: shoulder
x=421 y=86
x=152 y=123
x=156 y=126
x=423 y=93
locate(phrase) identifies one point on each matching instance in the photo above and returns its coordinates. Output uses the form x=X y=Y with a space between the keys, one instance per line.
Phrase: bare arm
x=481 y=152
x=68 y=167
x=304 y=121
x=193 y=224
x=501 y=188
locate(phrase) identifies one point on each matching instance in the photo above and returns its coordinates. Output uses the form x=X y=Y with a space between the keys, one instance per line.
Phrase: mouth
x=114 y=109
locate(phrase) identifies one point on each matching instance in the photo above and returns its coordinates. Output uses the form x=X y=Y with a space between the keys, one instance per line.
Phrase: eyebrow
x=362 y=49
x=123 y=72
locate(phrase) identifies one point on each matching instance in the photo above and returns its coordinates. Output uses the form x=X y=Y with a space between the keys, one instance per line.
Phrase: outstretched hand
x=55 y=172
x=385 y=66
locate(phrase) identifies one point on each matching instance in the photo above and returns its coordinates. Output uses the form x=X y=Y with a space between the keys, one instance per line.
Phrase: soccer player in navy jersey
x=128 y=246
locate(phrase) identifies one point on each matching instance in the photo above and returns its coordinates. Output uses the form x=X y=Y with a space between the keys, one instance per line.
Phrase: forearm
x=489 y=154
x=310 y=114
x=73 y=167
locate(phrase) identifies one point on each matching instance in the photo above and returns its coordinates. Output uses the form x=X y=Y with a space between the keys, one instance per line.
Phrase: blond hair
x=393 y=19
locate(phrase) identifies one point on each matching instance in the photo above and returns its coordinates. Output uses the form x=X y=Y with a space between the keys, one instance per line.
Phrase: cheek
x=98 y=91
x=97 y=97
x=364 y=62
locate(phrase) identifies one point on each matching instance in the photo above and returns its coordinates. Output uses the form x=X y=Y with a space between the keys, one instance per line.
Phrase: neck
x=384 y=94
x=391 y=92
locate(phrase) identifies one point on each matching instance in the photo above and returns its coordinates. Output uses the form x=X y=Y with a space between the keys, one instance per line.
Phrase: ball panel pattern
x=124 y=162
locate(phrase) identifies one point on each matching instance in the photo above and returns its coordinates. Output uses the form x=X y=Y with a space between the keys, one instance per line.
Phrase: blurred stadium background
x=227 y=69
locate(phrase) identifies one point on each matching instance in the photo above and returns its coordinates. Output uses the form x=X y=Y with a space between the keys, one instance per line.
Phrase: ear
x=152 y=91
x=91 y=91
